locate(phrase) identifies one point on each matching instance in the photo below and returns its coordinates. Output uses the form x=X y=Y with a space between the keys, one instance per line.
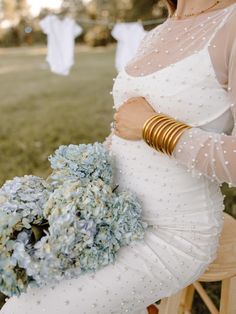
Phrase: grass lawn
x=41 y=110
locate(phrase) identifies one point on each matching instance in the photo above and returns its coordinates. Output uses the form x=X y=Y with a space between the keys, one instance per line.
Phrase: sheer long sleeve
x=108 y=140
x=208 y=153
x=203 y=150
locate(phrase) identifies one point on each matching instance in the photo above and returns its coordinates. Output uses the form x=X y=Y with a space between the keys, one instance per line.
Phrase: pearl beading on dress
x=183 y=208
x=171 y=38
x=211 y=156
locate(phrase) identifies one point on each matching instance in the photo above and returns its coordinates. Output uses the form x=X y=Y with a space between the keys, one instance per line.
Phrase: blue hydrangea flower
x=21 y=207
x=72 y=224
x=88 y=225
x=81 y=162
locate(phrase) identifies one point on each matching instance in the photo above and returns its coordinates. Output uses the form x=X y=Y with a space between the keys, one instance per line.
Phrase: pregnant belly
x=171 y=198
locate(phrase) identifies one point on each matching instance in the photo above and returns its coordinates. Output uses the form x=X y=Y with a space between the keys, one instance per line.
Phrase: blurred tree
x=8 y=9
x=14 y=9
x=16 y=16
x=111 y=11
x=130 y=10
x=22 y=8
x=76 y=7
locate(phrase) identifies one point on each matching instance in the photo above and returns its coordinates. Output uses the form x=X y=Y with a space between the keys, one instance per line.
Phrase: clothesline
x=61 y=46
x=111 y=24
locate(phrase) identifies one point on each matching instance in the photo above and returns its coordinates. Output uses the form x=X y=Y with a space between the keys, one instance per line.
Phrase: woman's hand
x=130 y=118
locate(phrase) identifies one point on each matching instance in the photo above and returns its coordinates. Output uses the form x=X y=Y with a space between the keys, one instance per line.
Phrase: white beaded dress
x=187 y=69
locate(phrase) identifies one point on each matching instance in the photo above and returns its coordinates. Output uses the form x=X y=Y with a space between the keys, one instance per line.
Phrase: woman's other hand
x=130 y=118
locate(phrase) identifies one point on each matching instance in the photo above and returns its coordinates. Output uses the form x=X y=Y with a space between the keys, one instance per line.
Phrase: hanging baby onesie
x=128 y=36
x=61 y=42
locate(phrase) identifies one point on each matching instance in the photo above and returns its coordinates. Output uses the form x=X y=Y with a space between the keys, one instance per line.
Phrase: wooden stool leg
x=206 y=299
x=187 y=300
x=171 y=305
x=228 y=294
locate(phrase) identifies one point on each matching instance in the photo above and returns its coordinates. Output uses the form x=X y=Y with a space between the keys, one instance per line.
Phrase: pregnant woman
x=184 y=69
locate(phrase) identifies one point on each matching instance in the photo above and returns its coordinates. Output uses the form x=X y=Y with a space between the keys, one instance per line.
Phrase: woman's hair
x=172 y=5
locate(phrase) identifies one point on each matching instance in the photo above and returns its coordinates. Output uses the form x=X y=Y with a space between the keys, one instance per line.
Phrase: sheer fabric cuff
x=210 y=154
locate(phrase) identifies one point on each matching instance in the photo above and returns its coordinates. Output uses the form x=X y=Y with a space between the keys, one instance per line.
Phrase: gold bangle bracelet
x=165 y=140
x=159 y=140
x=172 y=137
x=162 y=132
x=173 y=140
x=166 y=133
x=177 y=138
x=175 y=126
x=153 y=139
x=158 y=133
x=147 y=125
x=152 y=128
x=149 y=120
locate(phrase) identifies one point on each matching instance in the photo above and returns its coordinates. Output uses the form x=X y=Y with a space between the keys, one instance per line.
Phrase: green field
x=41 y=110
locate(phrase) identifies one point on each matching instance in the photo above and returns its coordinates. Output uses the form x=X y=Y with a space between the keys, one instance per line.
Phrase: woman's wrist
x=163 y=132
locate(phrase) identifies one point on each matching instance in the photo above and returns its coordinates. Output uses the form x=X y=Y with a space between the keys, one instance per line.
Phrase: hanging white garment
x=61 y=42
x=128 y=36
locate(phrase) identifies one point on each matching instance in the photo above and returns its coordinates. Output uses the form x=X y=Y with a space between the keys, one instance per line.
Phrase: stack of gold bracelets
x=163 y=132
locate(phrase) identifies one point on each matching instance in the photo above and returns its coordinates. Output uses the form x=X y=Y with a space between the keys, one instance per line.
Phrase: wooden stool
x=222 y=269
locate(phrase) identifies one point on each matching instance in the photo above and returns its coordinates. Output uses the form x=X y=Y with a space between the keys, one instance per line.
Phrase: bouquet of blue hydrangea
x=73 y=223
x=22 y=223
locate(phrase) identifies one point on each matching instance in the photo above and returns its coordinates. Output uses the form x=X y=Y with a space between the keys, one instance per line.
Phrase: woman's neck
x=186 y=7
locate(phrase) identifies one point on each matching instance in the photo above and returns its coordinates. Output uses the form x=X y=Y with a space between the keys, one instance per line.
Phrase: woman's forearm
x=208 y=153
